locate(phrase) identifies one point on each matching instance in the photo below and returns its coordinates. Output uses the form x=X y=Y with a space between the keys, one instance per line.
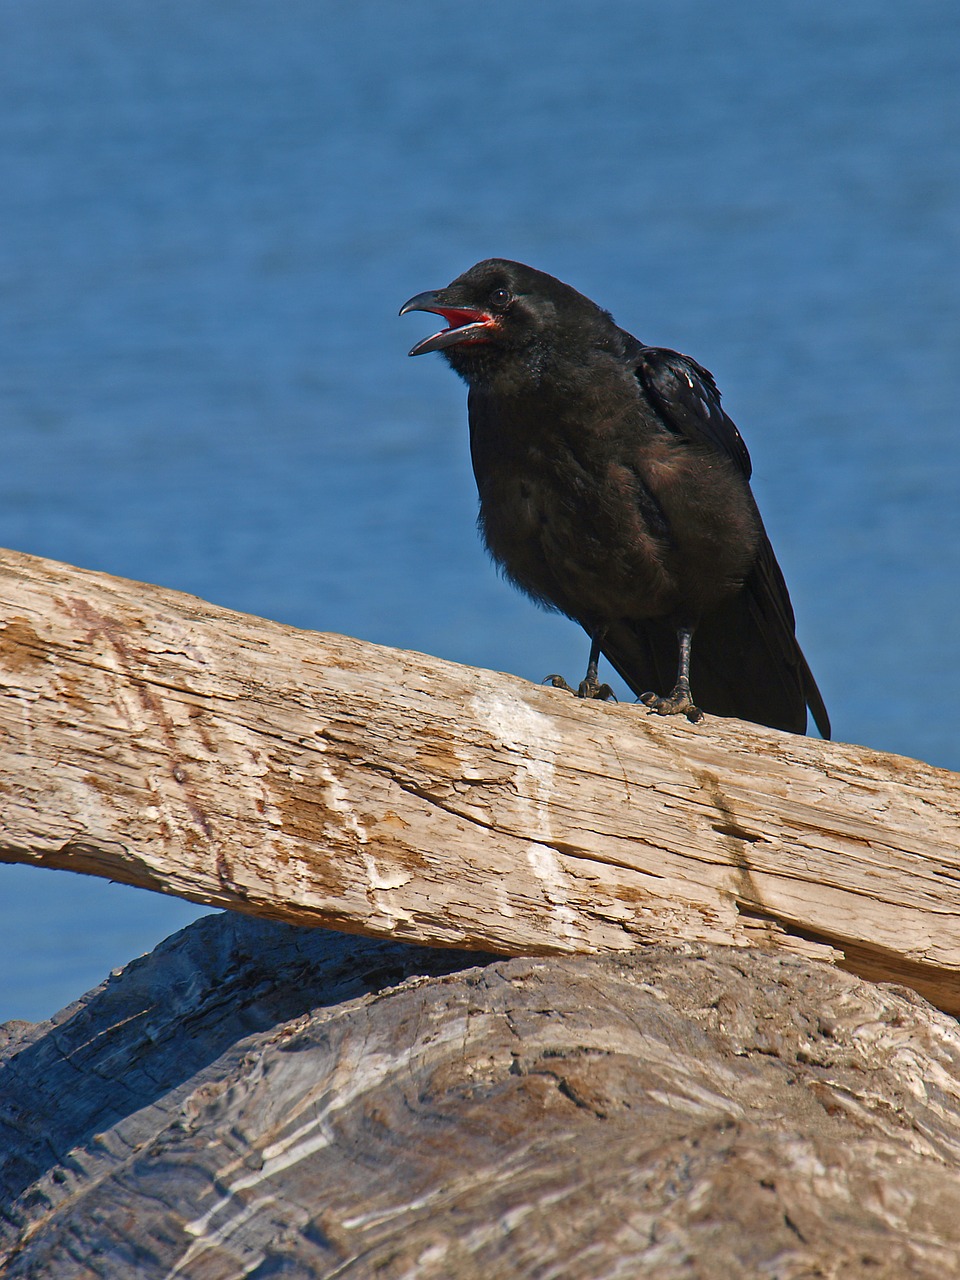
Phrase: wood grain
x=153 y=738
x=254 y=1099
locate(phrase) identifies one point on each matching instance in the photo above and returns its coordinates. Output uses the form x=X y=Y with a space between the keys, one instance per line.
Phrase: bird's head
x=504 y=317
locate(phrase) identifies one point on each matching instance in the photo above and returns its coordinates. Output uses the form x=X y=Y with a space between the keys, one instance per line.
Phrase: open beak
x=466 y=324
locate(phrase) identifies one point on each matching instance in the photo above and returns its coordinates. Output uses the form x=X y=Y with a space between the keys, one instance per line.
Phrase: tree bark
x=155 y=739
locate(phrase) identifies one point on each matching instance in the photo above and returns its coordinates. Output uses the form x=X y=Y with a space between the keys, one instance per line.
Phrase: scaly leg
x=590 y=686
x=679 y=700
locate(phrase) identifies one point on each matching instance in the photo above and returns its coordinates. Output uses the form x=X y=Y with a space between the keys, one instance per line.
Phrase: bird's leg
x=590 y=686
x=679 y=700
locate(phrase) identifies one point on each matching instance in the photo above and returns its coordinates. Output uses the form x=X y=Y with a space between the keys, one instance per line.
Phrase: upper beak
x=467 y=324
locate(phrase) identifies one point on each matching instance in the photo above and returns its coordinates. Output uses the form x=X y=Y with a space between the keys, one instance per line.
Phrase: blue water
x=210 y=213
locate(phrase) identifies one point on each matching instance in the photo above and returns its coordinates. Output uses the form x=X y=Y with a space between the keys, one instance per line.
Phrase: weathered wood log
x=158 y=740
x=259 y=1100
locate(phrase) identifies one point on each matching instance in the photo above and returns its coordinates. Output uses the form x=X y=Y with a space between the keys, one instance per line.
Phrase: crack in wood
x=470 y=772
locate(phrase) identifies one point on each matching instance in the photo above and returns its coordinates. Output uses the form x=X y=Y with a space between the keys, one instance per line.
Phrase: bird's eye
x=500 y=297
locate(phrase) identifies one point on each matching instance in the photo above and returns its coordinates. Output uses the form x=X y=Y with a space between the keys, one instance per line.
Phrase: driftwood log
x=155 y=739
x=265 y=1100
x=256 y=1099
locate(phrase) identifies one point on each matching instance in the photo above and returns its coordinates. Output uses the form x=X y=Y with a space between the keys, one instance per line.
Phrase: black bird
x=615 y=489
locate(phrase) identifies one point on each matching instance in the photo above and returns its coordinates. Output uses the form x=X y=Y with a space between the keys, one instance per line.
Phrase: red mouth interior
x=457 y=317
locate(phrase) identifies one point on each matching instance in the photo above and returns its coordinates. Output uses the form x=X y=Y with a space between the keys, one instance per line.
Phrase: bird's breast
x=573 y=530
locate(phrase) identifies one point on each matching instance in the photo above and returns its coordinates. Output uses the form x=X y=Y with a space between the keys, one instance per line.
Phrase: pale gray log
x=260 y=1100
x=152 y=738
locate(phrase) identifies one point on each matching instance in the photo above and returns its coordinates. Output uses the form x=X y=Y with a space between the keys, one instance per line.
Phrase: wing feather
x=687 y=400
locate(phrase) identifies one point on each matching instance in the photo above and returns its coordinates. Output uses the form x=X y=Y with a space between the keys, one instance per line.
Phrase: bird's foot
x=676 y=703
x=589 y=688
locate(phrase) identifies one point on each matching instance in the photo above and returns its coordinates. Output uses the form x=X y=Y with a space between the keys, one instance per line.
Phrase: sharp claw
x=676 y=703
x=590 y=690
x=595 y=691
x=558 y=682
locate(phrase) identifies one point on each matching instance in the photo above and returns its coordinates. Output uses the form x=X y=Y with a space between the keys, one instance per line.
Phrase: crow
x=614 y=488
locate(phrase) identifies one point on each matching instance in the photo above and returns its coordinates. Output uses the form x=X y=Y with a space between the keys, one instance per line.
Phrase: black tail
x=745 y=660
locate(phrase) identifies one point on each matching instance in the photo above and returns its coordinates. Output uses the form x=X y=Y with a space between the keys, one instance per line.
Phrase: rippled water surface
x=210 y=213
